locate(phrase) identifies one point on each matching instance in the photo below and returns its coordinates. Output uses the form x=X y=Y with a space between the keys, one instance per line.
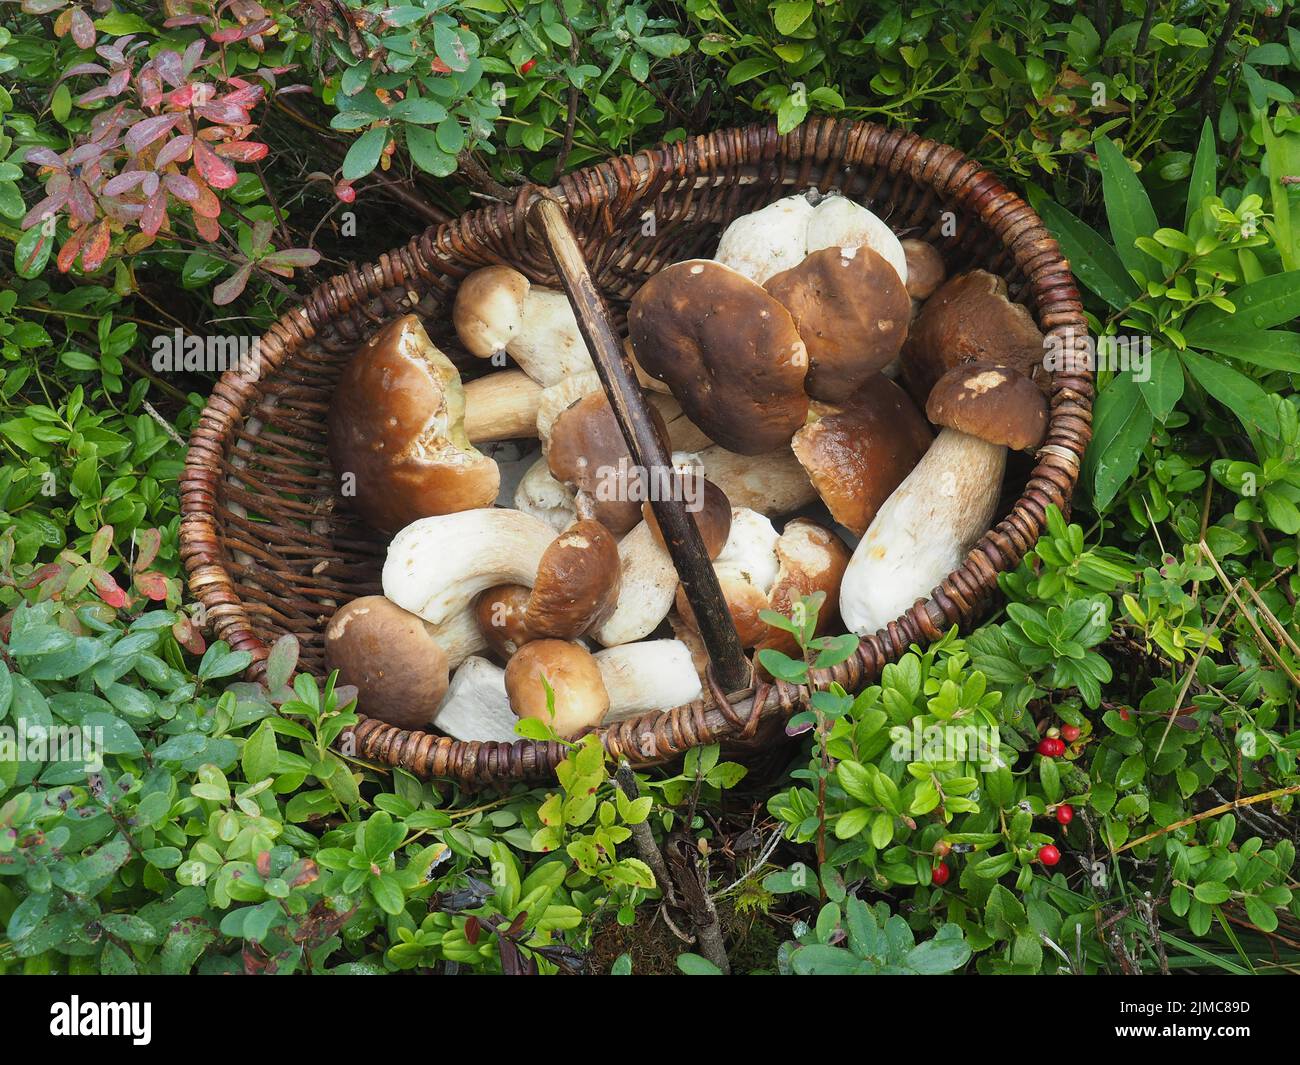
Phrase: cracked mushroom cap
x=925 y=269
x=399 y=669
x=586 y=450
x=728 y=350
x=489 y=310
x=857 y=454
x=713 y=518
x=811 y=559
x=397 y=424
x=969 y=319
x=852 y=311
x=573 y=675
x=995 y=403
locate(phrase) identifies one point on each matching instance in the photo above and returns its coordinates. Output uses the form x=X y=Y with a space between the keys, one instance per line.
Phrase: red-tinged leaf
x=215 y=171
x=148 y=130
x=181 y=187
x=307 y=872
x=175 y=149
x=264 y=864
x=152 y=584
x=100 y=545
x=182 y=96
x=42 y=7
x=150 y=184
x=45 y=157
x=189 y=637
x=69 y=252
x=207 y=205
x=207 y=228
x=243 y=151
x=46 y=208
x=472 y=930
x=81 y=202
x=147 y=544
x=168 y=65
x=124 y=183
x=224 y=113
x=63 y=23
x=96 y=249
x=106 y=588
x=83 y=30
x=155 y=213
x=228 y=291
x=149 y=83
x=246 y=96
x=40 y=576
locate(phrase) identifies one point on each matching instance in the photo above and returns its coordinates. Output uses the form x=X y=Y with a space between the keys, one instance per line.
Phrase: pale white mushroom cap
x=838 y=222
x=767 y=241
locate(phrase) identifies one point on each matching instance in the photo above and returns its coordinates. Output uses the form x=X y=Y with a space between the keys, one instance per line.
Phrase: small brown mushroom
x=969 y=319
x=851 y=309
x=397 y=436
x=573 y=675
x=729 y=351
x=712 y=517
x=925 y=268
x=391 y=656
x=857 y=454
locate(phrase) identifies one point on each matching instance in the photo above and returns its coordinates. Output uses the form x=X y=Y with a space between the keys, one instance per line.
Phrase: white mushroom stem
x=540 y=495
x=648 y=584
x=501 y=406
x=436 y=566
x=475 y=706
x=459 y=637
x=923 y=531
x=647 y=676
x=548 y=346
x=770 y=484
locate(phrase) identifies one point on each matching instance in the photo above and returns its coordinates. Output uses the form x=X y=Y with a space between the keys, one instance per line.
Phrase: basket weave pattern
x=269 y=549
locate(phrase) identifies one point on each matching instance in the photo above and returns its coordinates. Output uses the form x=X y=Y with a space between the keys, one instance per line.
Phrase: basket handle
x=681 y=535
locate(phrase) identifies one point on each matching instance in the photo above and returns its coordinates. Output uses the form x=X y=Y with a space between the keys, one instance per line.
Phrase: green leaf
x=1271 y=349
x=422 y=144
x=1235 y=391
x=1201 y=184
x=1270 y=301
x=1212 y=892
x=364 y=154
x=748 y=69
x=1121 y=426
x=790 y=15
x=1128 y=209
x=1164 y=387
x=1092 y=259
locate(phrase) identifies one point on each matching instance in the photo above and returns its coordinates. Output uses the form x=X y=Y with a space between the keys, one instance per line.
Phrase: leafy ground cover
x=193 y=167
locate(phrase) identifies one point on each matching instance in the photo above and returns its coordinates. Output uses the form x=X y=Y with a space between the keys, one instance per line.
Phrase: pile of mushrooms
x=526 y=576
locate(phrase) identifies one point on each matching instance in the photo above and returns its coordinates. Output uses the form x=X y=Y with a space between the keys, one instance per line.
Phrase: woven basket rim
x=660 y=736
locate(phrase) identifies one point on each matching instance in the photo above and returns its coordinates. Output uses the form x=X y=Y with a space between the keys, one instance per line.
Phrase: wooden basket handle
x=681 y=535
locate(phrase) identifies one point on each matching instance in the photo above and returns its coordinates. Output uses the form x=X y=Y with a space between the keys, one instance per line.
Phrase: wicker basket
x=268 y=552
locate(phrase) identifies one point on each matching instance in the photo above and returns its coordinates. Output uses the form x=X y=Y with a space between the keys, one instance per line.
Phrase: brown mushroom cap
x=396 y=424
x=728 y=350
x=502 y=616
x=390 y=654
x=586 y=450
x=969 y=319
x=580 y=696
x=489 y=309
x=995 y=403
x=925 y=268
x=713 y=519
x=577 y=582
x=812 y=559
x=857 y=454
x=852 y=312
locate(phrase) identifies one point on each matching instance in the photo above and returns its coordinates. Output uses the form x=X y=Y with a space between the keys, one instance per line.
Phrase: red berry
x=939 y=874
x=1065 y=813
x=345 y=192
x=527 y=66
x=1051 y=747
x=1069 y=733
x=1049 y=855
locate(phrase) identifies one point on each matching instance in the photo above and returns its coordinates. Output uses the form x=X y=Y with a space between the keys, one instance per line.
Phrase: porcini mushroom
x=766 y=241
x=571 y=672
x=540 y=495
x=397 y=436
x=497 y=310
x=926 y=527
x=838 y=222
x=501 y=406
x=391 y=656
x=476 y=706
x=711 y=510
x=969 y=319
x=772 y=484
x=925 y=268
x=436 y=566
x=729 y=351
x=810 y=559
x=646 y=676
x=746 y=569
x=576 y=585
x=852 y=311
x=857 y=454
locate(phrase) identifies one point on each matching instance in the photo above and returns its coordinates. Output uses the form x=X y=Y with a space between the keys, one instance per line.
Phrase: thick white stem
x=549 y=346
x=923 y=531
x=476 y=706
x=645 y=676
